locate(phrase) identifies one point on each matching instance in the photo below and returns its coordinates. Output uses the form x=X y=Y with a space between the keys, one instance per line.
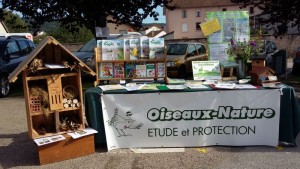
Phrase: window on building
x=184 y=27
x=184 y=15
x=198 y=14
x=224 y=9
x=198 y=26
x=251 y=10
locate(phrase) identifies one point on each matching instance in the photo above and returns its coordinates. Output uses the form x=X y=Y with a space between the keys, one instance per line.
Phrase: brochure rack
x=128 y=68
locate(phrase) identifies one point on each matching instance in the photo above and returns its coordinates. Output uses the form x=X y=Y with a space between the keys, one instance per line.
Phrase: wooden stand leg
x=231 y=76
x=231 y=72
x=222 y=72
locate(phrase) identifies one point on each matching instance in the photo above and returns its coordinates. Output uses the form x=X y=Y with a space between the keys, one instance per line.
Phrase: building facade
x=119 y=29
x=185 y=19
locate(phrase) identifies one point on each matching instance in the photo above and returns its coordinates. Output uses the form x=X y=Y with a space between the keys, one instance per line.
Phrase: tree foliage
x=63 y=35
x=88 y=13
x=14 y=23
x=278 y=15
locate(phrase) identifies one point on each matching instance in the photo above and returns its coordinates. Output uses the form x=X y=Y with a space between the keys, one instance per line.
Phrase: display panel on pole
x=234 y=26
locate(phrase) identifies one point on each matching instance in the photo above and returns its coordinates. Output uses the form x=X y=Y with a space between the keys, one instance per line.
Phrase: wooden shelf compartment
x=71 y=117
x=43 y=125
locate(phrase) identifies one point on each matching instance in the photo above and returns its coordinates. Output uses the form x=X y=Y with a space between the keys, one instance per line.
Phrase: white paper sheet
x=81 y=133
x=111 y=87
x=54 y=66
x=48 y=140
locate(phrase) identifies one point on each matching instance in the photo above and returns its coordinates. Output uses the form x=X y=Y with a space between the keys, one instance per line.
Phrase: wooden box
x=66 y=149
x=258 y=64
x=228 y=67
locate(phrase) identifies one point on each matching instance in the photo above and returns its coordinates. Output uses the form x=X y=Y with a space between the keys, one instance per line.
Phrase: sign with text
x=228 y=117
x=206 y=70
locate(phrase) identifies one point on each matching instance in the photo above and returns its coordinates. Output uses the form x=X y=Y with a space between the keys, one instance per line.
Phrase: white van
x=24 y=35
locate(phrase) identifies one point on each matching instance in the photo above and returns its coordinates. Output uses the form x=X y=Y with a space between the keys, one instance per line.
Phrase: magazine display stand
x=130 y=62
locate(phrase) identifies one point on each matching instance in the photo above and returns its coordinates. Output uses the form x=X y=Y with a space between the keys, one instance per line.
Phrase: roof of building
x=45 y=50
x=154 y=33
x=201 y=3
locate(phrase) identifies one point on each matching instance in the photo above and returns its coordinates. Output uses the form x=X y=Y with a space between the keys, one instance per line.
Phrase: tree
x=278 y=15
x=65 y=36
x=14 y=23
x=88 y=13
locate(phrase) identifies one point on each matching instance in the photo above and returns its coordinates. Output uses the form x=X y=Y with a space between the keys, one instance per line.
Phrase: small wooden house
x=258 y=64
x=260 y=75
x=51 y=78
x=52 y=88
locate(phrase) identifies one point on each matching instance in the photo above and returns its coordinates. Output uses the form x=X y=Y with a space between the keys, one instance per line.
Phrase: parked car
x=86 y=52
x=12 y=52
x=17 y=35
x=180 y=56
x=296 y=63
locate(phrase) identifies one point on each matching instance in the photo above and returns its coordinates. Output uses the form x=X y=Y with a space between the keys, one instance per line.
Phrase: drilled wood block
x=55 y=93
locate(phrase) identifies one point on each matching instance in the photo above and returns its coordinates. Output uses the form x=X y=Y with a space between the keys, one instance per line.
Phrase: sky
x=161 y=18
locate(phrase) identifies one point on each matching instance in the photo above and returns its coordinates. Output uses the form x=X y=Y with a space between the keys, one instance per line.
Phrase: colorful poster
x=144 y=47
x=112 y=50
x=135 y=49
x=156 y=48
x=106 y=70
x=234 y=26
x=218 y=51
x=141 y=70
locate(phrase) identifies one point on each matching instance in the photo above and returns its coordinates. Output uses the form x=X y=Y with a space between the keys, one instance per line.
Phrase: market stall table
x=289 y=124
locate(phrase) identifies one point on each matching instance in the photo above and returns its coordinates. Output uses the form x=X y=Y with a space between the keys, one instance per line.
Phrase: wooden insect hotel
x=51 y=78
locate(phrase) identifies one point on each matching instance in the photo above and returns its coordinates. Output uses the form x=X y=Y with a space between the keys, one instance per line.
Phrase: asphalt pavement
x=17 y=150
